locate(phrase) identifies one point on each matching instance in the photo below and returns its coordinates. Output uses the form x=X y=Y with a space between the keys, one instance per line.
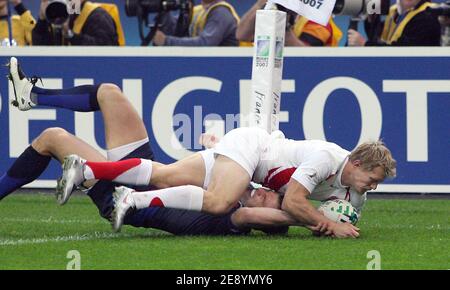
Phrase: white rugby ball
x=339 y=210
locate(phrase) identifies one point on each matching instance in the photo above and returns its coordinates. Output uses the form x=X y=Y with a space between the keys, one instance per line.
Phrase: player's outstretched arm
x=297 y=205
x=270 y=220
x=262 y=217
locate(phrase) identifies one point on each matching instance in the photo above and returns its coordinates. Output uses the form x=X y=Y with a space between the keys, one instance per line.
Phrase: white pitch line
x=76 y=237
x=51 y=220
x=410 y=226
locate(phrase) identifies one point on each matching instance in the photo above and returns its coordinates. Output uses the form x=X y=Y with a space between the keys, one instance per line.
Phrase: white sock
x=133 y=171
x=139 y=175
x=188 y=197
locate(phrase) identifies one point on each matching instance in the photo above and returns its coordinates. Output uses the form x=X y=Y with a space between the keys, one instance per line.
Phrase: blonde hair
x=374 y=154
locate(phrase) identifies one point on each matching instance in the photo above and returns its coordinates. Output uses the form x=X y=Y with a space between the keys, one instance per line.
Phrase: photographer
x=213 y=23
x=93 y=26
x=299 y=31
x=407 y=24
x=22 y=24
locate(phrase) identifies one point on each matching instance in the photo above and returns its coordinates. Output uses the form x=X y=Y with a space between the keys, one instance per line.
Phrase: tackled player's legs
x=126 y=137
x=123 y=125
x=58 y=143
x=119 y=117
x=118 y=113
x=52 y=142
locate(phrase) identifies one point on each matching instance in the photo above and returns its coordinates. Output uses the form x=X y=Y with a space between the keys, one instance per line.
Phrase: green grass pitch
x=36 y=233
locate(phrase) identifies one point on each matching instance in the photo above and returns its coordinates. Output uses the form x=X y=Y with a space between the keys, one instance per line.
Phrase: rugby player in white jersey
x=301 y=169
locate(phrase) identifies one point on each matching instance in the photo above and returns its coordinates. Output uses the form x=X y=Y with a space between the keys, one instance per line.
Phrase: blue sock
x=8 y=184
x=80 y=98
x=27 y=167
x=142 y=218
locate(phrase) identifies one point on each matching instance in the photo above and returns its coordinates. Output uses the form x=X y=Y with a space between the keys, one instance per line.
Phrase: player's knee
x=51 y=135
x=108 y=88
x=48 y=138
x=108 y=91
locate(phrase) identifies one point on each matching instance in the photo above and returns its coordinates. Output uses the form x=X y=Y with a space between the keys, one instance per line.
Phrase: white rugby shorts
x=246 y=146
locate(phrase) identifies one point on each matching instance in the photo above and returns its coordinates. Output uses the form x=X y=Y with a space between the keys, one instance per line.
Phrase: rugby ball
x=339 y=210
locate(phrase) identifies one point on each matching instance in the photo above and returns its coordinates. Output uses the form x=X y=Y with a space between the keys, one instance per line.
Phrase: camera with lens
x=135 y=7
x=56 y=12
x=443 y=11
x=361 y=10
x=143 y=8
x=358 y=8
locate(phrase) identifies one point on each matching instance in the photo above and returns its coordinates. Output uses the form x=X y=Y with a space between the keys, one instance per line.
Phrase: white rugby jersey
x=316 y=164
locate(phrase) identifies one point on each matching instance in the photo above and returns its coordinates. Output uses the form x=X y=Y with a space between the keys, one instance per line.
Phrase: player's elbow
x=287 y=207
x=239 y=35
x=243 y=36
x=287 y=204
x=243 y=33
